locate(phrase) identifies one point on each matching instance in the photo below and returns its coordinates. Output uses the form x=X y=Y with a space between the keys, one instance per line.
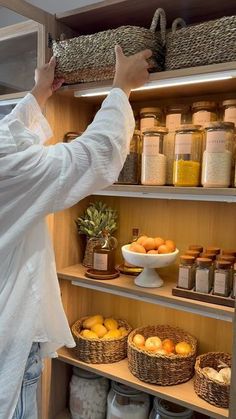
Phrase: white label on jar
x=202 y=280
x=215 y=141
x=183 y=143
x=200 y=117
x=230 y=115
x=151 y=145
x=147 y=123
x=183 y=281
x=100 y=261
x=173 y=121
x=219 y=283
x=153 y=170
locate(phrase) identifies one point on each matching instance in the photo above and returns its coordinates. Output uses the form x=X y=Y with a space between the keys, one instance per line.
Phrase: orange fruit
x=171 y=245
x=149 y=243
x=153 y=343
x=163 y=249
x=158 y=242
x=139 y=340
x=152 y=252
x=141 y=239
x=168 y=345
x=183 y=348
x=136 y=247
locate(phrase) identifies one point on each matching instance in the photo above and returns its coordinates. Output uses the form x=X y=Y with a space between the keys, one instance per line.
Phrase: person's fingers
x=57 y=83
x=52 y=62
x=119 y=53
x=147 y=53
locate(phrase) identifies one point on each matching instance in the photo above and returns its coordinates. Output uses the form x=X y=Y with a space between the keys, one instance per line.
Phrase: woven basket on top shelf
x=211 y=390
x=90 y=58
x=99 y=351
x=164 y=370
x=202 y=44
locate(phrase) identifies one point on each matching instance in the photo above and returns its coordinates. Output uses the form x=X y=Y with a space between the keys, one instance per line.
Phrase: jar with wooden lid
x=150 y=117
x=175 y=116
x=229 y=107
x=204 y=275
x=186 y=276
x=153 y=160
x=164 y=409
x=130 y=173
x=222 y=278
x=231 y=252
x=217 y=162
x=232 y=260
x=194 y=253
x=213 y=249
x=187 y=160
x=203 y=112
x=211 y=256
x=197 y=247
x=234 y=283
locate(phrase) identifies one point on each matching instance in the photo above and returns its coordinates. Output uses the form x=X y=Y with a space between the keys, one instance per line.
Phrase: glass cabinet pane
x=18 y=62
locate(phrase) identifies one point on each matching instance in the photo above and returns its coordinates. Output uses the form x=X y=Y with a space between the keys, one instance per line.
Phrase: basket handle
x=178 y=22
x=159 y=15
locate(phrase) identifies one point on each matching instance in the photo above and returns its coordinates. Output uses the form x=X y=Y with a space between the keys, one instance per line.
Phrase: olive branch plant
x=97 y=217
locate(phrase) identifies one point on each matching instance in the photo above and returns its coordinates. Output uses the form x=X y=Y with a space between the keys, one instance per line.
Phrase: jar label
x=147 y=123
x=201 y=117
x=202 y=280
x=173 y=121
x=220 y=283
x=230 y=115
x=151 y=145
x=183 y=281
x=183 y=143
x=100 y=261
x=216 y=141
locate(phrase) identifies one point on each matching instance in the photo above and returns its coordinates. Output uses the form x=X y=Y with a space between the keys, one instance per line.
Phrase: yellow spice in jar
x=186 y=173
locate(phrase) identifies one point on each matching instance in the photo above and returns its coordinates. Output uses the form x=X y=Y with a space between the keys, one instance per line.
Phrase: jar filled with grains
x=204 y=275
x=203 y=112
x=130 y=173
x=150 y=117
x=175 y=116
x=153 y=166
x=222 y=278
x=188 y=150
x=186 y=277
x=217 y=159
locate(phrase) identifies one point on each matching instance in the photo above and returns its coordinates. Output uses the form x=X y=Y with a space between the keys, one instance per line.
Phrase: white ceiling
x=57 y=6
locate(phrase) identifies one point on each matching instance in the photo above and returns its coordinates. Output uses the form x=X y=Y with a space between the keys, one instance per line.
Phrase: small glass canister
x=130 y=173
x=175 y=116
x=222 y=278
x=232 y=260
x=213 y=249
x=153 y=166
x=194 y=253
x=197 y=247
x=229 y=107
x=187 y=268
x=163 y=409
x=234 y=282
x=124 y=402
x=203 y=112
x=217 y=162
x=204 y=275
x=188 y=150
x=150 y=117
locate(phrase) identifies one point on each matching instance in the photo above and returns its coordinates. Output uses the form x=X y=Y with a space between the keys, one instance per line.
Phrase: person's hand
x=45 y=83
x=131 y=72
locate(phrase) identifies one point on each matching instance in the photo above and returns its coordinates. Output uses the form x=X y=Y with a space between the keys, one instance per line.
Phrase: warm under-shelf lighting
x=160 y=84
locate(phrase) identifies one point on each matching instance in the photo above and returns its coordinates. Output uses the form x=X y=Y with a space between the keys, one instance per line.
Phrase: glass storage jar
x=163 y=409
x=124 y=402
x=186 y=277
x=217 y=162
x=88 y=395
x=150 y=117
x=222 y=278
x=203 y=112
x=204 y=275
x=188 y=149
x=153 y=160
x=130 y=173
x=175 y=116
x=229 y=107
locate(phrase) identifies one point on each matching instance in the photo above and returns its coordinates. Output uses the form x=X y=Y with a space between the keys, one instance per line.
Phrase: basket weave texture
x=90 y=58
x=98 y=351
x=208 y=389
x=88 y=254
x=202 y=44
x=159 y=369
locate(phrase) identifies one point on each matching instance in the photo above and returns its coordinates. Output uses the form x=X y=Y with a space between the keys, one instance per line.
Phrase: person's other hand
x=45 y=82
x=131 y=72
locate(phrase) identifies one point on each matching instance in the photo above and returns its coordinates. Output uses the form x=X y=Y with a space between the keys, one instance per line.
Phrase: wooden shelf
x=183 y=394
x=171 y=192
x=124 y=286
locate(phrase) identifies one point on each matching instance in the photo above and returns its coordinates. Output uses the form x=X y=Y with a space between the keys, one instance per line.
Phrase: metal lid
x=151 y=110
x=204 y=105
x=229 y=102
x=219 y=124
x=159 y=129
x=188 y=127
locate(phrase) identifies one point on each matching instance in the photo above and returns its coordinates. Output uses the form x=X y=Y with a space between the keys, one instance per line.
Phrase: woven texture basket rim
x=202 y=374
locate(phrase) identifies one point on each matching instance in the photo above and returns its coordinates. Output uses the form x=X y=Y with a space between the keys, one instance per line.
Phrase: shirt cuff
x=39 y=124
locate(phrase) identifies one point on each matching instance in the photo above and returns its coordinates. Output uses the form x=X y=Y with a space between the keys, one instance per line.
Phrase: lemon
x=111 y=324
x=123 y=331
x=91 y=321
x=112 y=334
x=88 y=334
x=99 y=329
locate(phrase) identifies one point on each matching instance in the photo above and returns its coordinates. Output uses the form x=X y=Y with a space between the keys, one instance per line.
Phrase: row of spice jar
x=198 y=113
x=190 y=156
x=209 y=271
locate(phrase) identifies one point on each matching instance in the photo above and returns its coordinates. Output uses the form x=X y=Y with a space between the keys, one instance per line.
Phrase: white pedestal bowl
x=148 y=278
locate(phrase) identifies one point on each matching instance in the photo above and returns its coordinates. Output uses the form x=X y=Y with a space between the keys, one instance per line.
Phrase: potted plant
x=97 y=217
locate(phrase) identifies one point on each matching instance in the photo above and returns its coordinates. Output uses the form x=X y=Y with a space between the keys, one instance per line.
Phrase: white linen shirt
x=34 y=181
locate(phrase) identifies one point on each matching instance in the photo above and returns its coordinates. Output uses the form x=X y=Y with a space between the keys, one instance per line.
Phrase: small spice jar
x=211 y=256
x=153 y=166
x=217 y=162
x=163 y=409
x=204 y=274
x=188 y=150
x=197 y=247
x=194 y=253
x=231 y=252
x=234 y=283
x=203 y=112
x=212 y=249
x=130 y=173
x=229 y=107
x=232 y=260
x=175 y=116
x=150 y=117
x=222 y=278
x=186 y=275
